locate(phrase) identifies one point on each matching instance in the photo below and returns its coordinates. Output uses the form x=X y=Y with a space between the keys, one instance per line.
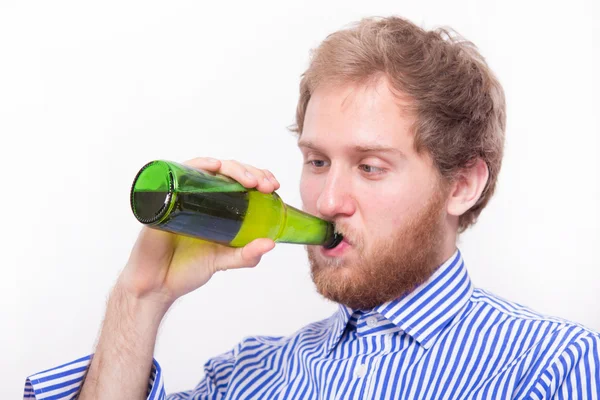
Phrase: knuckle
x=251 y=167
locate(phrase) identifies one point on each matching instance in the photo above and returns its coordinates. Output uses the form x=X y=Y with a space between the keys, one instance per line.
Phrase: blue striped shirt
x=445 y=340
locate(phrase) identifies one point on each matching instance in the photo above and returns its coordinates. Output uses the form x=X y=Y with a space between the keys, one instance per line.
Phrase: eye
x=371 y=170
x=316 y=163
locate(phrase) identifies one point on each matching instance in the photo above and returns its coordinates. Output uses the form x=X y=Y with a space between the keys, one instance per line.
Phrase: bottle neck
x=303 y=228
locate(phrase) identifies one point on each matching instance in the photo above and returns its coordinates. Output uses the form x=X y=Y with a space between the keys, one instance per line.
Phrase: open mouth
x=340 y=248
x=337 y=239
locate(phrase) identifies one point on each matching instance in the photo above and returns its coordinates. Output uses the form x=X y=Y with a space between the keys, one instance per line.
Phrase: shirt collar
x=426 y=311
x=339 y=323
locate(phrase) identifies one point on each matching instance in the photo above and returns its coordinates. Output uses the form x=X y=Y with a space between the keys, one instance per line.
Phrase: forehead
x=357 y=115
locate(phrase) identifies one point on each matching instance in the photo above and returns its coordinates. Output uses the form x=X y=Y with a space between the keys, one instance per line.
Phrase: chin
x=339 y=264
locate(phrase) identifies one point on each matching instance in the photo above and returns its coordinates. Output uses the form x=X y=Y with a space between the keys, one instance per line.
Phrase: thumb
x=249 y=255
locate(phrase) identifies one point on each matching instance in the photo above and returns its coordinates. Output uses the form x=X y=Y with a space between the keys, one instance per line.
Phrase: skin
x=161 y=268
x=370 y=196
x=361 y=171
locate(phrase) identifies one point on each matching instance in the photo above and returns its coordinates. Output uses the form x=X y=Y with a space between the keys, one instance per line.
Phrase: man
x=402 y=134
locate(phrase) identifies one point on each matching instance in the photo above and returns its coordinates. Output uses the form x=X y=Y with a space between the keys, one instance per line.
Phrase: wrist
x=142 y=311
x=122 y=361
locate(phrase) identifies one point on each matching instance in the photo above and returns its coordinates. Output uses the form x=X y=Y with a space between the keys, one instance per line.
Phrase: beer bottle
x=176 y=198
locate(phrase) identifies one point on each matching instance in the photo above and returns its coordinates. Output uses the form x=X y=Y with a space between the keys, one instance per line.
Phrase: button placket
x=360 y=371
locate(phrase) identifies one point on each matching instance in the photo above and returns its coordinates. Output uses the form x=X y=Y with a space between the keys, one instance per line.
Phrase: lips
x=338 y=250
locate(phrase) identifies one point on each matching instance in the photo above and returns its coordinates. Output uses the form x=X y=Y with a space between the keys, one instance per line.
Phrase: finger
x=267 y=174
x=249 y=255
x=252 y=253
x=272 y=178
x=240 y=173
x=265 y=184
x=205 y=163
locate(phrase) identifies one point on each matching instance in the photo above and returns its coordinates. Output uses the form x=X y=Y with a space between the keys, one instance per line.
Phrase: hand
x=164 y=266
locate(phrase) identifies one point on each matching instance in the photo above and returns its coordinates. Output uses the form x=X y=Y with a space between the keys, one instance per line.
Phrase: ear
x=467 y=187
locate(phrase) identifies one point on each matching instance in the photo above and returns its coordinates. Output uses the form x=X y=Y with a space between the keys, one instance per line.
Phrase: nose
x=336 y=197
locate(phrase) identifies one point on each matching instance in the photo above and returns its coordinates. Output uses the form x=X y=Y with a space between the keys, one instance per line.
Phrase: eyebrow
x=367 y=148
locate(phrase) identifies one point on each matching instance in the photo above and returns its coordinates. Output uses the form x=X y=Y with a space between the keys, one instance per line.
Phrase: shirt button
x=371 y=322
x=360 y=370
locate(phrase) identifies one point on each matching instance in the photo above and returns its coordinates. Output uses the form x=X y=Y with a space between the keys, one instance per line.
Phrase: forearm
x=122 y=362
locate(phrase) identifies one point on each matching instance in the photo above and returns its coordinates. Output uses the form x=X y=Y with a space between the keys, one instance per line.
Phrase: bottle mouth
x=152 y=192
x=335 y=240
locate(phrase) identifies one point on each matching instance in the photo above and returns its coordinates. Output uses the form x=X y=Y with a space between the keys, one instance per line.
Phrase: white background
x=90 y=92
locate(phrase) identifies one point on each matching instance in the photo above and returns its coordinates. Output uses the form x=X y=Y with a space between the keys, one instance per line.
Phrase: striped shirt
x=445 y=340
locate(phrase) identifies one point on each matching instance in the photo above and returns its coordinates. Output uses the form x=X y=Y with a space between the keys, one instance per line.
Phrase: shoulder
x=546 y=328
x=513 y=309
x=546 y=354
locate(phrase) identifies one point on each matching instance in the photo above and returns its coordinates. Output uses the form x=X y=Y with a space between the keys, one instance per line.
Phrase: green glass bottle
x=176 y=198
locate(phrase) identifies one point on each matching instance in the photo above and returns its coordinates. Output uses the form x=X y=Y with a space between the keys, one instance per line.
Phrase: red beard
x=392 y=268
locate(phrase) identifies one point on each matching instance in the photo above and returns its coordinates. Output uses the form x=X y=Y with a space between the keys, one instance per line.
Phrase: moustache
x=350 y=235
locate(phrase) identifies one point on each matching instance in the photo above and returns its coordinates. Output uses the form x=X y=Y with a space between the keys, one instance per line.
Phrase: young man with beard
x=402 y=134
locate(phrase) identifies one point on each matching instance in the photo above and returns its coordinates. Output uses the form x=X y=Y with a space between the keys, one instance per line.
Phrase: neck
x=447 y=247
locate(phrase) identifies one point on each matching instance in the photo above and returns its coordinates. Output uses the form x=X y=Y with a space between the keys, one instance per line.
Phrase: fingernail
x=249 y=175
x=211 y=160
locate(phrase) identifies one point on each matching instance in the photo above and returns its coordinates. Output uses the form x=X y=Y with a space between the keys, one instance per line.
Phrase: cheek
x=309 y=194
x=387 y=210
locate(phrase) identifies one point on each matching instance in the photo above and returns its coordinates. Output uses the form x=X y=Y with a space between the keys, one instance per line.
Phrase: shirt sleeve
x=574 y=374
x=64 y=382
x=215 y=382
